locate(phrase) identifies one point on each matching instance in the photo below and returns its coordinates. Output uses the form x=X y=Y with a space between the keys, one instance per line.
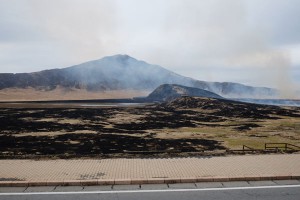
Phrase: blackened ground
x=93 y=133
x=105 y=141
x=229 y=108
x=99 y=144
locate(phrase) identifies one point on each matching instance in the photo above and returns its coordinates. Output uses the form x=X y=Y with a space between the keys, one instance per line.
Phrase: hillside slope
x=121 y=72
x=167 y=92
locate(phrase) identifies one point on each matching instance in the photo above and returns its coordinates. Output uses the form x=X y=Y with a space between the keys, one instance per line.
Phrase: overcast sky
x=255 y=42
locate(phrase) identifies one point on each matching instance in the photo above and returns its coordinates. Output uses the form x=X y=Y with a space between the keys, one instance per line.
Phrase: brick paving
x=126 y=170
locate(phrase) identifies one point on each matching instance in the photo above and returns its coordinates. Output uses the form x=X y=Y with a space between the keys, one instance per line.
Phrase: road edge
x=142 y=181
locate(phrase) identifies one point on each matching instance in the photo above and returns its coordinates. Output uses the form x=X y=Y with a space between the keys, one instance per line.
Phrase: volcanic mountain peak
x=121 y=72
x=120 y=57
x=119 y=61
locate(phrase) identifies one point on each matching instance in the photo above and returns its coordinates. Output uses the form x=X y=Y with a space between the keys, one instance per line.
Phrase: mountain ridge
x=122 y=72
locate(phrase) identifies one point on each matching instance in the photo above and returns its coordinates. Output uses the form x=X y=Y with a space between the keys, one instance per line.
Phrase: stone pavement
x=143 y=171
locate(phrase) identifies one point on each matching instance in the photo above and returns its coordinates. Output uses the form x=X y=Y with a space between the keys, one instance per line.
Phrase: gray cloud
x=51 y=33
x=279 y=19
x=206 y=39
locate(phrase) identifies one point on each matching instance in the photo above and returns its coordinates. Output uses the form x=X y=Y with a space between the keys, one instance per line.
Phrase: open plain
x=184 y=126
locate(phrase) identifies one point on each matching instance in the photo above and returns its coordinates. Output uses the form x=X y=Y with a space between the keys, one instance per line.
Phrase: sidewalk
x=143 y=171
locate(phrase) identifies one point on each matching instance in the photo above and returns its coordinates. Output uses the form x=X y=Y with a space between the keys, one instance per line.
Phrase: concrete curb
x=142 y=181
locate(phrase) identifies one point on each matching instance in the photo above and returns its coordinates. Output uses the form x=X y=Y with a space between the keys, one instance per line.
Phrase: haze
x=255 y=42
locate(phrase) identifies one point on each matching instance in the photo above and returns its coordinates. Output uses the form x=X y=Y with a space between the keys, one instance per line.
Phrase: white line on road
x=150 y=191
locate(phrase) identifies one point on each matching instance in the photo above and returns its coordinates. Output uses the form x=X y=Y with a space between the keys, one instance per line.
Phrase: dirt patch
x=247 y=127
x=70 y=121
x=125 y=117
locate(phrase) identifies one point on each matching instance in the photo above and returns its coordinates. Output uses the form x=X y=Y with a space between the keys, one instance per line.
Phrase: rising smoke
x=223 y=36
x=187 y=36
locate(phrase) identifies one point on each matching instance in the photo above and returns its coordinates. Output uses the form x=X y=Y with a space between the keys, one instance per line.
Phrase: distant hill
x=229 y=108
x=168 y=92
x=121 y=72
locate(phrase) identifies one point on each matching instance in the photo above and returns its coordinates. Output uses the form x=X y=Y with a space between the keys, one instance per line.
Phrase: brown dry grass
x=151 y=123
x=51 y=134
x=285 y=130
x=31 y=94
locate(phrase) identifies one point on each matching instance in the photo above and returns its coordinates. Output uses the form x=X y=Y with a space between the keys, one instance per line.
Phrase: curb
x=142 y=181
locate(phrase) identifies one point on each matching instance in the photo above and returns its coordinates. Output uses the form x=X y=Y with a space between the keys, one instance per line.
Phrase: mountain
x=108 y=73
x=121 y=72
x=168 y=92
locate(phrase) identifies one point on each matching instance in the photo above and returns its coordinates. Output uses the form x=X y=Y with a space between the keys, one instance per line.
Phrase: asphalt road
x=266 y=190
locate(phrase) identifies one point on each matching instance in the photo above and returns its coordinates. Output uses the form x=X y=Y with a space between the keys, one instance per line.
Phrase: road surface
x=259 y=190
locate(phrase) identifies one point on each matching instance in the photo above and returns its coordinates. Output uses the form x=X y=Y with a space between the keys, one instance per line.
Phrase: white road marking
x=151 y=191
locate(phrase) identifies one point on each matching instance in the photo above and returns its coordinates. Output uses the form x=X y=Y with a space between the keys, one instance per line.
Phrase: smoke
x=216 y=40
x=120 y=72
x=219 y=33
x=272 y=67
x=280 y=63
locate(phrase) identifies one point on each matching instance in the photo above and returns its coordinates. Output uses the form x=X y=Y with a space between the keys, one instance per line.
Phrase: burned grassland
x=180 y=126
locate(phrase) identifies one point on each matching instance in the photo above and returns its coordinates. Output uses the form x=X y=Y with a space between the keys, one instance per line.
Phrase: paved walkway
x=140 y=171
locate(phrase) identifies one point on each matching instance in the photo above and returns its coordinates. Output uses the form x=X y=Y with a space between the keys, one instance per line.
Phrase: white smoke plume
x=216 y=40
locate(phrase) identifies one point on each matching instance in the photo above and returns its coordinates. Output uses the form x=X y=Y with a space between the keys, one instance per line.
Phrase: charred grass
x=153 y=129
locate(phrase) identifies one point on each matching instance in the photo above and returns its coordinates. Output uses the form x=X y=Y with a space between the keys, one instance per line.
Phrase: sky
x=255 y=42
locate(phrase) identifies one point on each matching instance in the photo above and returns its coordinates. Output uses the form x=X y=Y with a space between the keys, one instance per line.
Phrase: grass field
x=182 y=126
